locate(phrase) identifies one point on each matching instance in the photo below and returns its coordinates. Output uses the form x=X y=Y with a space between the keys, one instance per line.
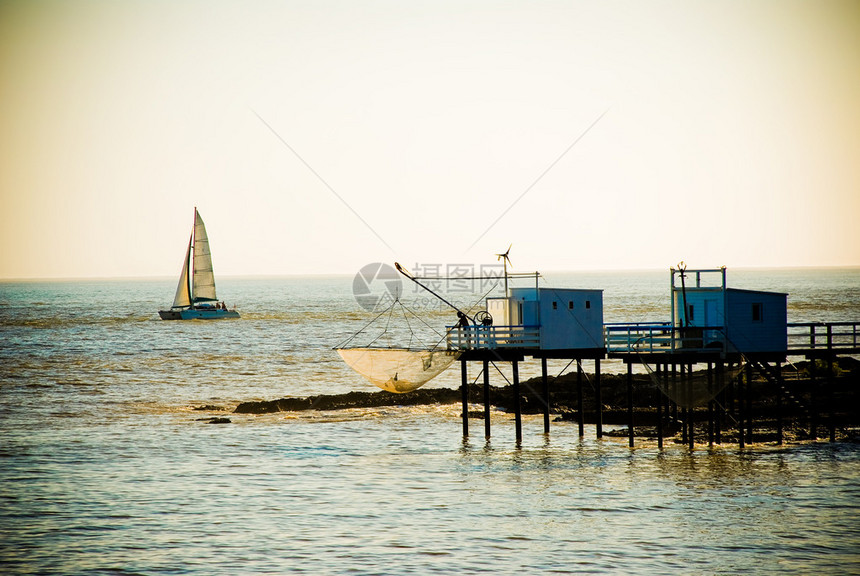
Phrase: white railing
x=638 y=337
x=493 y=337
x=662 y=337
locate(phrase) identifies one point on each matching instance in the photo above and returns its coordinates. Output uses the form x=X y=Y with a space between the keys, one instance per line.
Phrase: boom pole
x=403 y=271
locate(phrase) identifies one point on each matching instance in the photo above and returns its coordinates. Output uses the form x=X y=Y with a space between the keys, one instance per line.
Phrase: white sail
x=183 y=298
x=398 y=369
x=203 y=286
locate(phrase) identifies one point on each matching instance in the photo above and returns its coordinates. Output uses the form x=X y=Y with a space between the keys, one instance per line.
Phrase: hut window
x=756 y=312
x=555 y=305
x=570 y=305
x=691 y=316
x=587 y=304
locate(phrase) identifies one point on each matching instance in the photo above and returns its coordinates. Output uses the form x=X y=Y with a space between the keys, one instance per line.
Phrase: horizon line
x=161 y=277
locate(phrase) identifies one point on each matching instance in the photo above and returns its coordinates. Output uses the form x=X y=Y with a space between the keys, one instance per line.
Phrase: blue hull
x=197 y=314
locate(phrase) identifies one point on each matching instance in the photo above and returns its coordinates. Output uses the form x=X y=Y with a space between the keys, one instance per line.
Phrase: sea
x=109 y=462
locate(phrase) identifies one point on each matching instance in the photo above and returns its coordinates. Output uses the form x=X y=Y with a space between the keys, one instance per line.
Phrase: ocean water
x=108 y=464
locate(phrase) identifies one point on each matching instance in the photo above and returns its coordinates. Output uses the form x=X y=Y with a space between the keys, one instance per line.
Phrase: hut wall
x=757 y=321
x=568 y=318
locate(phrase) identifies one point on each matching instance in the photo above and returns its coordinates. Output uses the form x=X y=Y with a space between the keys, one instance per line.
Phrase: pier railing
x=493 y=337
x=662 y=337
x=815 y=336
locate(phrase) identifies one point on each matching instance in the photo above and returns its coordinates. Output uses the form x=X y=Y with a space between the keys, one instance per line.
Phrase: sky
x=319 y=136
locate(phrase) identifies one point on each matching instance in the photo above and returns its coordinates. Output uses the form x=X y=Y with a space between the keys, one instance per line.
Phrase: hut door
x=712 y=337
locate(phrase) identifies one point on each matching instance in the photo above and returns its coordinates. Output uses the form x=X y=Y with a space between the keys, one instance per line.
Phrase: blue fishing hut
x=708 y=315
x=550 y=319
x=544 y=323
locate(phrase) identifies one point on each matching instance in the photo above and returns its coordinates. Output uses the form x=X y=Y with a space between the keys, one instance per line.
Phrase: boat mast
x=191 y=260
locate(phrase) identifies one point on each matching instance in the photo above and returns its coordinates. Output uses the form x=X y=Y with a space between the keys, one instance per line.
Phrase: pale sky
x=319 y=136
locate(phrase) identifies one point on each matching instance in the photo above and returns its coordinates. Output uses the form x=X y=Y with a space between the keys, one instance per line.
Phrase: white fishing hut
x=731 y=319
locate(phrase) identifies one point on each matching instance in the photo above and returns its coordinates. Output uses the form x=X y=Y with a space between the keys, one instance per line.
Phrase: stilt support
x=580 y=415
x=779 y=386
x=545 y=395
x=464 y=373
x=518 y=417
x=630 y=404
x=486 y=399
x=663 y=375
x=598 y=399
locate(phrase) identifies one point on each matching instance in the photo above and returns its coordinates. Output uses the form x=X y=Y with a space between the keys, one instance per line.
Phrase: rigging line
x=493 y=287
x=387 y=323
x=720 y=404
x=565 y=368
x=585 y=375
x=320 y=178
x=448 y=331
x=415 y=314
x=499 y=370
x=659 y=386
x=489 y=277
x=480 y=373
x=406 y=309
x=348 y=340
x=538 y=179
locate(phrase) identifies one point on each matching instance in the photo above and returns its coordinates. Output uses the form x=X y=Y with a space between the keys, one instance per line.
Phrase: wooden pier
x=673 y=357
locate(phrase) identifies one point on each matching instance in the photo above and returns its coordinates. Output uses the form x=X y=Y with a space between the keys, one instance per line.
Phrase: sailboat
x=195 y=295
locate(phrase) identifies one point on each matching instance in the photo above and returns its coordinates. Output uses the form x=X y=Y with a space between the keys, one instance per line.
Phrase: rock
x=215 y=420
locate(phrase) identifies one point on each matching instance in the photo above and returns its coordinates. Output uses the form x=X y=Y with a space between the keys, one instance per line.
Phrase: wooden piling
x=813 y=412
x=545 y=395
x=579 y=397
x=690 y=411
x=721 y=411
x=630 y=404
x=710 y=404
x=740 y=408
x=779 y=431
x=673 y=385
x=664 y=375
x=749 y=401
x=486 y=399
x=831 y=387
x=684 y=416
x=518 y=418
x=598 y=398
x=464 y=373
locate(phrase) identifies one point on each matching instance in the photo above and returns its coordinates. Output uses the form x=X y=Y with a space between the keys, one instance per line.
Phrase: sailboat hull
x=197 y=314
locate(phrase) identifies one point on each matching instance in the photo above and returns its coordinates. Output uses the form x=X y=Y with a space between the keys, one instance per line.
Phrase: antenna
x=682 y=267
x=506 y=260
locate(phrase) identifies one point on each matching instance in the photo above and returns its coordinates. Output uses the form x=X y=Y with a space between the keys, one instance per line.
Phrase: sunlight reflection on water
x=105 y=467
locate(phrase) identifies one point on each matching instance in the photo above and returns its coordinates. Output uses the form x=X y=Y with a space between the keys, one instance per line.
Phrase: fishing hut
x=532 y=321
x=704 y=356
x=709 y=315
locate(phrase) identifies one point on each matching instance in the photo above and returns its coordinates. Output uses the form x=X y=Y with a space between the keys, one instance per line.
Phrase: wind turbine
x=506 y=260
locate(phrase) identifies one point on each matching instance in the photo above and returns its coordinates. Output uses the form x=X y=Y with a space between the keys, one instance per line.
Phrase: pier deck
x=658 y=344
